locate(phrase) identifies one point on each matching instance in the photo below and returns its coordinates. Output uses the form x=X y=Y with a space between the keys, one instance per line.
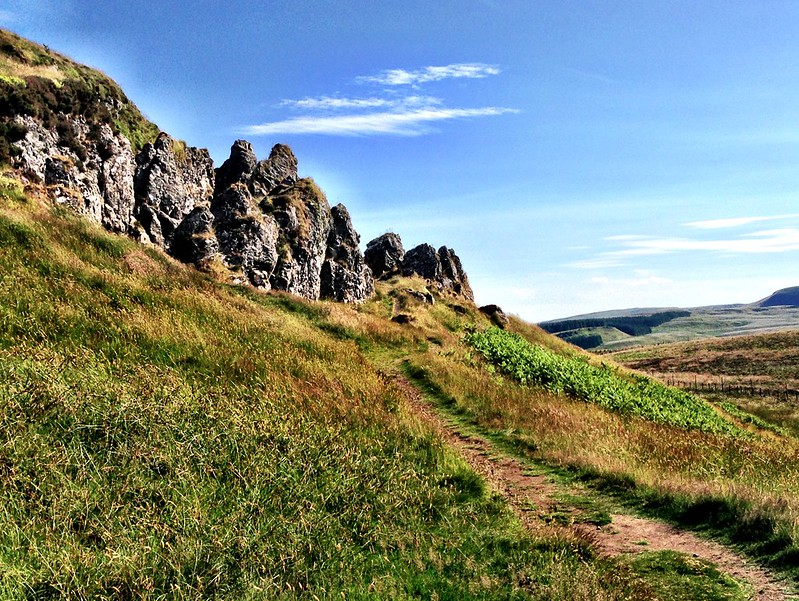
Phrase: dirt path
x=533 y=496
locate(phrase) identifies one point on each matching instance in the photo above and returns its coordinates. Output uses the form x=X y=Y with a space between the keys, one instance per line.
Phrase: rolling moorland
x=628 y=328
x=755 y=373
x=174 y=432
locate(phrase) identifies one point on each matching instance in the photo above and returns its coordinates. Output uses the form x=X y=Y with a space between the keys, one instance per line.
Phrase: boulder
x=384 y=254
x=496 y=315
x=195 y=241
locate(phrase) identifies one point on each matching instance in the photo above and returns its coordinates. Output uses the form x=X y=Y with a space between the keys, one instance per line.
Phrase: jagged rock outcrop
x=423 y=261
x=280 y=231
x=303 y=215
x=247 y=238
x=86 y=167
x=453 y=277
x=171 y=179
x=384 y=254
x=442 y=267
x=280 y=169
x=345 y=275
x=260 y=177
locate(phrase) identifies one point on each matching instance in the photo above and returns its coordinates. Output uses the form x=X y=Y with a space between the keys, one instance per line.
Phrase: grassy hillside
x=163 y=435
x=703 y=322
x=41 y=83
x=759 y=373
x=166 y=436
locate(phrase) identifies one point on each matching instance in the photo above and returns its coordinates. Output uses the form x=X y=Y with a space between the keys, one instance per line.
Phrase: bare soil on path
x=533 y=496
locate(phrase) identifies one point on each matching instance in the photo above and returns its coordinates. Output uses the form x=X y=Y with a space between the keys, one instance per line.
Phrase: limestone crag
x=453 y=277
x=303 y=216
x=384 y=254
x=345 y=275
x=442 y=267
x=76 y=137
x=260 y=177
x=88 y=168
x=246 y=238
x=270 y=228
x=280 y=231
x=170 y=180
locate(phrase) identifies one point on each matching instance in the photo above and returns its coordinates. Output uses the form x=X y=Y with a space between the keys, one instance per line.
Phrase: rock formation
x=88 y=168
x=345 y=275
x=269 y=227
x=442 y=267
x=280 y=231
x=384 y=254
x=170 y=180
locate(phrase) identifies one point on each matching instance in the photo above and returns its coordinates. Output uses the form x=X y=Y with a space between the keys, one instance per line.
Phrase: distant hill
x=623 y=328
x=787 y=297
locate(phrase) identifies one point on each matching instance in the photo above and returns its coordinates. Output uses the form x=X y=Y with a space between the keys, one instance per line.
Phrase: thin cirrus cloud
x=731 y=222
x=402 y=77
x=333 y=103
x=384 y=113
x=765 y=241
x=405 y=123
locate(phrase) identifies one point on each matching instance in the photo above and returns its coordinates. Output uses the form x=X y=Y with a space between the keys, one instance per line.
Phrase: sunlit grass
x=163 y=435
x=745 y=487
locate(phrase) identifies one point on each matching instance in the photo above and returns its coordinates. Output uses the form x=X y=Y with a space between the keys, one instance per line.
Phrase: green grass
x=163 y=435
x=589 y=498
x=741 y=489
x=678 y=577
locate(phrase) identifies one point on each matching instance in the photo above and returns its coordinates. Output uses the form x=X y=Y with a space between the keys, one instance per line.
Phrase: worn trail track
x=531 y=496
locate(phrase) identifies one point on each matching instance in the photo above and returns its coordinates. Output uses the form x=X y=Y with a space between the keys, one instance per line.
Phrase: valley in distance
x=626 y=328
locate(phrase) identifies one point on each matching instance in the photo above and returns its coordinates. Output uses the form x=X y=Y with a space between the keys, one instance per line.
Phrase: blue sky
x=578 y=156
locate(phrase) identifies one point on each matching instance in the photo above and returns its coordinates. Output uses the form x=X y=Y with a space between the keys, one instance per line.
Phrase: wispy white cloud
x=766 y=241
x=386 y=112
x=761 y=242
x=403 y=77
x=334 y=103
x=6 y=16
x=603 y=261
x=732 y=222
x=402 y=123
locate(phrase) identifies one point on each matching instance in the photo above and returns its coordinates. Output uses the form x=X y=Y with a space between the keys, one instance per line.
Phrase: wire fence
x=732 y=387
